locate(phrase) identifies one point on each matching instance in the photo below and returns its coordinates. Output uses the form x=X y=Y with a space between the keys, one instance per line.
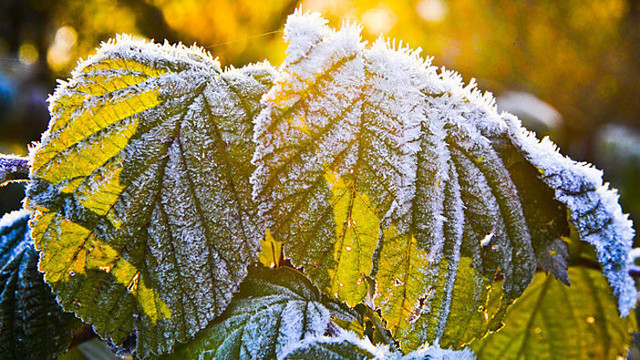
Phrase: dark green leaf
x=274 y=309
x=32 y=324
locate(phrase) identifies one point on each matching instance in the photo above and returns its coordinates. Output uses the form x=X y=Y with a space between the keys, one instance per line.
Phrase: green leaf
x=378 y=171
x=347 y=346
x=140 y=190
x=552 y=321
x=344 y=346
x=32 y=324
x=274 y=309
x=593 y=207
x=329 y=156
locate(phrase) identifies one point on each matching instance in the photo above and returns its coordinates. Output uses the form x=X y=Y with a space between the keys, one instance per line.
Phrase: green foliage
x=394 y=187
x=274 y=309
x=552 y=321
x=332 y=349
x=137 y=230
x=32 y=324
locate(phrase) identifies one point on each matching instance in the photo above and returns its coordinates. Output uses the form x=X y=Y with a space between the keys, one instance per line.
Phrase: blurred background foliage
x=570 y=69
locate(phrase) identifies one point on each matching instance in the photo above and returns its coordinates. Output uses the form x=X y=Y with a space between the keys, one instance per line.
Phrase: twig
x=13 y=168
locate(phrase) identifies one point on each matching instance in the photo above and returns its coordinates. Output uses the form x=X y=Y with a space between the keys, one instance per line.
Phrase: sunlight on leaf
x=552 y=321
x=32 y=324
x=462 y=196
x=140 y=190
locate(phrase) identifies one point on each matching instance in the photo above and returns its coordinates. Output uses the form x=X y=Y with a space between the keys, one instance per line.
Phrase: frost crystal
x=274 y=309
x=371 y=153
x=594 y=208
x=348 y=346
x=141 y=191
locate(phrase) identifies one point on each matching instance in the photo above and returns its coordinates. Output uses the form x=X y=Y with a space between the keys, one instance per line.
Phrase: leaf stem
x=384 y=333
x=13 y=168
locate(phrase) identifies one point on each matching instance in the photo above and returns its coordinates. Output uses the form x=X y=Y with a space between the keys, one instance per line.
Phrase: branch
x=13 y=168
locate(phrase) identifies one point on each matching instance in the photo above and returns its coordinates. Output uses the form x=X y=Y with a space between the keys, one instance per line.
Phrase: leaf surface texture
x=552 y=321
x=274 y=309
x=391 y=181
x=32 y=324
x=141 y=192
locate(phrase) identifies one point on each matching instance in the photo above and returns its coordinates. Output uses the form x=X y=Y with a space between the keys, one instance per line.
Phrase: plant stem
x=373 y=316
x=13 y=168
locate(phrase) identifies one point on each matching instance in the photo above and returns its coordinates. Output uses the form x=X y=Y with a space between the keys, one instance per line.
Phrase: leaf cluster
x=390 y=205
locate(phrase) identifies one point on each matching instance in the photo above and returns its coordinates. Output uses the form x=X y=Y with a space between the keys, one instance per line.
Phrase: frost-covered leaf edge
x=163 y=54
x=612 y=238
x=363 y=348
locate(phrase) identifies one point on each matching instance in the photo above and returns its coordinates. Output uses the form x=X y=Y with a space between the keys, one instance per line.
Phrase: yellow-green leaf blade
x=330 y=155
x=553 y=321
x=140 y=190
x=32 y=324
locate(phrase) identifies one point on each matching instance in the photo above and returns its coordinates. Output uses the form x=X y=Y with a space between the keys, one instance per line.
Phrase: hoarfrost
x=409 y=136
x=149 y=150
x=273 y=309
x=347 y=346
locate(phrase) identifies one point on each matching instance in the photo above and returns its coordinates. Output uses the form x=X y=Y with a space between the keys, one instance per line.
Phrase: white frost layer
x=410 y=107
x=382 y=352
x=594 y=207
x=379 y=352
x=11 y=218
x=434 y=352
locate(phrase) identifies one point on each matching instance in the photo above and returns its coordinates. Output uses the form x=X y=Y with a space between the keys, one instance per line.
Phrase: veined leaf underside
x=458 y=195
x=32 y=324
x=140 y=190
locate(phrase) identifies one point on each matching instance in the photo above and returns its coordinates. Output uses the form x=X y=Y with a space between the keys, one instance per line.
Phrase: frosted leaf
x=273 y=309
x=140 y=190
x=371 y=161
x=32 y=324
x=345 y=346
x=593 y=208
x=334 y=150
x=348 y=346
